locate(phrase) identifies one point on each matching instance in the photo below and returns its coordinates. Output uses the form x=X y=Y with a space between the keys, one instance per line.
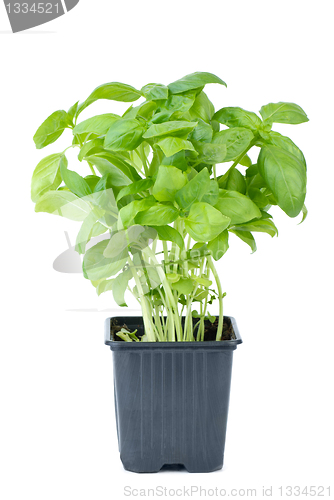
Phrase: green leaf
x=129 y=212
x=46 y=176
x=172 y=145
x=51 y=129
x=202 y=108
x=258 y=197
x=173 y=128
x=194 y=190
x=178 y=160
x=285 y=175
x=169 y=181
x=115 y=160
x=120 y=240
x=283 y=142
x=202 y=132
x=73 y=181
x=104 y=286
x=245 y=161
x=136 y=187
x=96 y=266
x=219 y=245
x=236 y=181
x=124 y=135
x=90 y=148
x=205 y=222
x=104 y=166
x=247 y=237
x=210 y=153
x=179 y=104
x=158 y=215
x=236 y=139
x=113 y=91
x=193 y=81
x=212 y=193
x=304 y=212
x=168 y=233
x=238 y=207
x=72 y=112
x=99 y=124
x=63 y=203
x=154 y=91
x=90 y=227
x=119 y=287
x=184 y=285
x=260 y=226
x=283 y=112
x=238 y=117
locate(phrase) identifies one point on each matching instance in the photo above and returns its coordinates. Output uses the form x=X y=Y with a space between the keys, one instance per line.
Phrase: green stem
x=220 y=298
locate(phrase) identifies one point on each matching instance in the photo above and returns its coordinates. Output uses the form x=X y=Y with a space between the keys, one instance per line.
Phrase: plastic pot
x=171 y=400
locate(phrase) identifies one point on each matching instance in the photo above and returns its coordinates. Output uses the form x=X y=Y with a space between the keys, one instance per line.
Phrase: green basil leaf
x=173 y=128
x=258 y=197
x=168 y=233
x=46 y=176
x=236 y=139
x=154 y=91
x=90 y=148
x=104 y=286
x=184 y=286
x=72 y=112
x=238 y=207
x=283 y=112
x=120 y=240
x=119 y=287
x=285 y=175
x=210 y=153
x=202 y=132
x=212 y=194
x=283 y=142
x=247 y=237
x=194 y=190
x=73 y=180
x=136 y=187
x=202 y=108
x=96 y=266
x=124 y=135
x=172 y=145
x=236 y=181
x=205 y=222
x=51 y=129
x=63 y=203
x=90 y=227
x=219 y=245
x=169 y=181
x=105 y=166
x=178 y=160
x=238 y=117
x=179 y=103
x=261 y=226
x=193 y=81
x=98 y=124
x=128 y=213
x=113 y=91
x=158 y=215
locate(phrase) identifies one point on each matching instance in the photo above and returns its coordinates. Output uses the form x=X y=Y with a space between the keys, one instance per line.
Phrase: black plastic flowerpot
x=171 y=399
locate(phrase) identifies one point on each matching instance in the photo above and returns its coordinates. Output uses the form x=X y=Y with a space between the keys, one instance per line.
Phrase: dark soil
x=210 y=330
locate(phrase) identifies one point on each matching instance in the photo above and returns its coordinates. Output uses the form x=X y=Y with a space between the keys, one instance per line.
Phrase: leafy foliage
x=166 y=190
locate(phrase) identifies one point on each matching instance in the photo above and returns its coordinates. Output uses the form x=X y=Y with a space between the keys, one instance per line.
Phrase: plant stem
x=220 y=297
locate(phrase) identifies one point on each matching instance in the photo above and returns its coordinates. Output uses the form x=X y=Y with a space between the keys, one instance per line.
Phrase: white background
x=57 y=434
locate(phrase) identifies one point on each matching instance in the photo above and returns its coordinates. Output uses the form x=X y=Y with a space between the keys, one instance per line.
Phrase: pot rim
x=201 y=345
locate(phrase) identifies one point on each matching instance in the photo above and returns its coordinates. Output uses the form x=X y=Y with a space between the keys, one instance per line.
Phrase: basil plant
x=169 y=182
